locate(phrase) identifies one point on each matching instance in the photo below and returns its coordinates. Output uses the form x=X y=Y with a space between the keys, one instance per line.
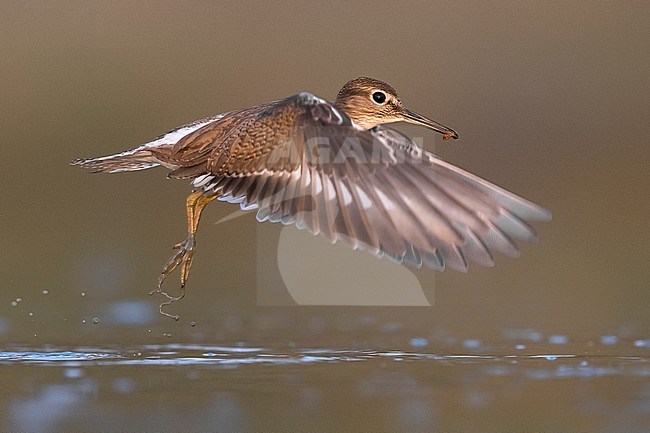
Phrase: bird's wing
x=190 y=152
x=301 y=161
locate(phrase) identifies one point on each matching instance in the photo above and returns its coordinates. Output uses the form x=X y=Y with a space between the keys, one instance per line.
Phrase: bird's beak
x=416 y=119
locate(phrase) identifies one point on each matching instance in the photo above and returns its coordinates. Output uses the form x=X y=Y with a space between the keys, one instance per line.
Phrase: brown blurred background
x=550 y=99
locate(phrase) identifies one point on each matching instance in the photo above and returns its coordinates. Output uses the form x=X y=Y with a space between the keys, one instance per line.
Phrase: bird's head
x=369 y=102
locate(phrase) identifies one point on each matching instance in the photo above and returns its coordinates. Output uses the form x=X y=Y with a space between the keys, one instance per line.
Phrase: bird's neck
x=357 y=118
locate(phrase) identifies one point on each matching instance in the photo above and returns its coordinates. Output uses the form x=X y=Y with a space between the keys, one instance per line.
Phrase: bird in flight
x=335 y=169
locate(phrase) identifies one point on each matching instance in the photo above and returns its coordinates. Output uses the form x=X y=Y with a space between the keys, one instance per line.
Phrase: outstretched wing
x=302 y=161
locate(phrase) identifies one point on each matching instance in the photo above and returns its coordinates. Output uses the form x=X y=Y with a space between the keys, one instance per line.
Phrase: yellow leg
x=196 y=202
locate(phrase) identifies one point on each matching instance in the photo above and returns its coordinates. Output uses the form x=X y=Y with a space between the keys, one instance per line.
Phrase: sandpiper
x=335 y=169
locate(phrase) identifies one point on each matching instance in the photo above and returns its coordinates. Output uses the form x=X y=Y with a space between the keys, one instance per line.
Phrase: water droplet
x=193 y=324
x=95 y=320
x=19 y=299
x=558 y=339
x=83 y=321
x=472 y=343
x=73 y=373
x=14 y=303
x=83 y=293
x=123 y=385
x=31 y=314
x=45 y=291
x=642 y=343
x=419 y=342
x=608 y=340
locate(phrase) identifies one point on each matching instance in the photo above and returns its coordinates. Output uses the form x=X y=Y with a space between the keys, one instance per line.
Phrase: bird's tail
x=139 y=158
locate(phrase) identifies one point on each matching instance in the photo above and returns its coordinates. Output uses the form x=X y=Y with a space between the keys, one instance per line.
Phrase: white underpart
x=202 y=180
x=173 y=137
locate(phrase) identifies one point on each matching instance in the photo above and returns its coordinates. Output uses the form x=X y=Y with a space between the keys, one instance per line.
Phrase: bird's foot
x=183 y=258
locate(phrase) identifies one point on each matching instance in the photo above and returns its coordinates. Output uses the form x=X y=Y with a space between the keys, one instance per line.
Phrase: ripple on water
x=531 y=366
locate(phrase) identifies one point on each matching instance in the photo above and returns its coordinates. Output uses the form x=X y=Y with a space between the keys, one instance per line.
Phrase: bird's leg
x=196 y=202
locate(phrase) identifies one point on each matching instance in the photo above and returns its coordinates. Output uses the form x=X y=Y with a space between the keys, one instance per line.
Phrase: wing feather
x=302 y=161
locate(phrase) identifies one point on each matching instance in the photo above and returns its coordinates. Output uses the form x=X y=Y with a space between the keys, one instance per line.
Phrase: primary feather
x=303 y=161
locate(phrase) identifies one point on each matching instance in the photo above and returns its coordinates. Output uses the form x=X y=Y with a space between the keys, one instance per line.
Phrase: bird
x=336 y=169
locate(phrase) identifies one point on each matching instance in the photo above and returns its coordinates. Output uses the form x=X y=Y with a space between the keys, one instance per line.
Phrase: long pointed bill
x=416 y=119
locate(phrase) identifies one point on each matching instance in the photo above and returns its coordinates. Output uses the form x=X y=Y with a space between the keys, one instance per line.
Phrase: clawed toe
x=169 y=301
x=183 y=258
x=196 y=202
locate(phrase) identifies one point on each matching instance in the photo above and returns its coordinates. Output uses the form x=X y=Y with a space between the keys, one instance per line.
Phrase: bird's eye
x=379 y=97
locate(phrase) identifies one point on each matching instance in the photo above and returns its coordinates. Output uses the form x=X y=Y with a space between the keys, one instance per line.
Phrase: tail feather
x=139 y=158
